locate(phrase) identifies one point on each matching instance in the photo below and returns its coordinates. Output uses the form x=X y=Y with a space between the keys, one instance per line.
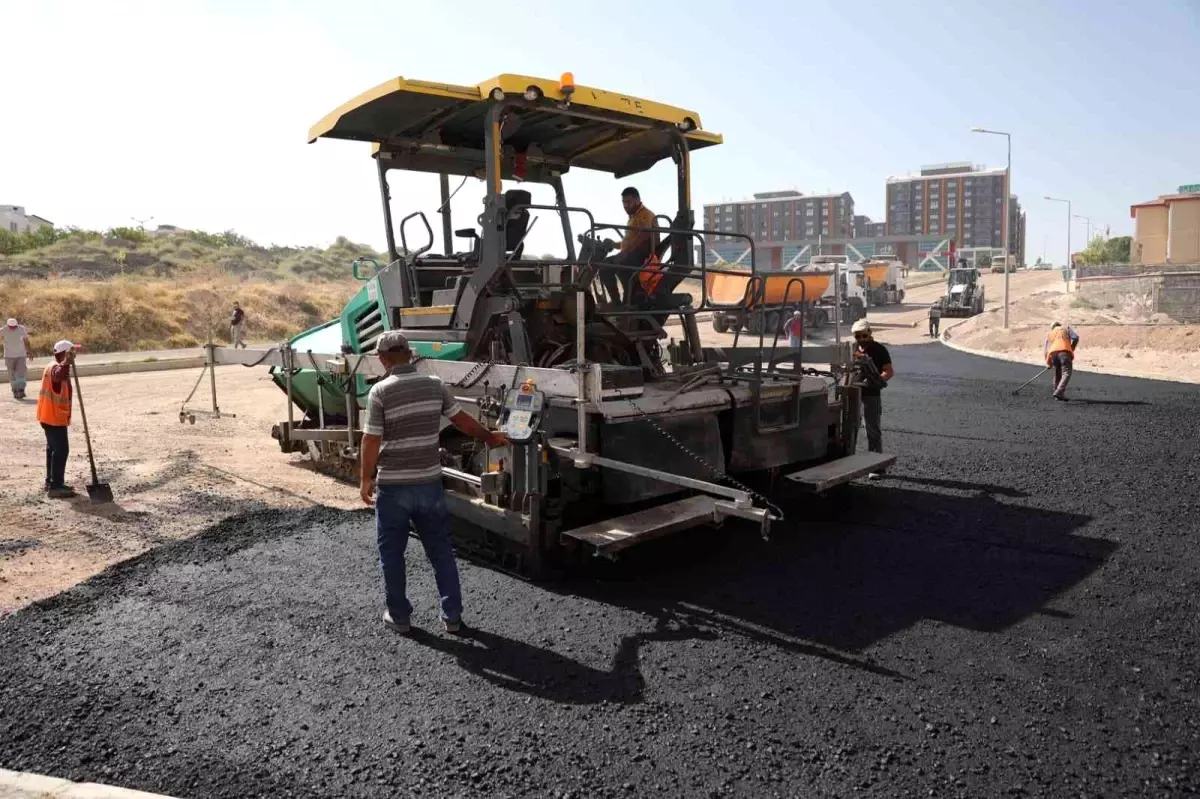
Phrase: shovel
x=1035 y=377
x=97 y=491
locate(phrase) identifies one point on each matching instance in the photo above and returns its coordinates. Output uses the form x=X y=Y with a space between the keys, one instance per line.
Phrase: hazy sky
x=195 y=113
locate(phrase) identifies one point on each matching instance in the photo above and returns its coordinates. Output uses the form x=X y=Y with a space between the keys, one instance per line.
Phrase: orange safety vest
x=1057 y=341
x=651 y=275
x=54 y=408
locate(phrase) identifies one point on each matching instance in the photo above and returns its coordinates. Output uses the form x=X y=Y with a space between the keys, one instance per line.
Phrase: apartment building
x=961 y=201
x=776 y=216
x=866 y=228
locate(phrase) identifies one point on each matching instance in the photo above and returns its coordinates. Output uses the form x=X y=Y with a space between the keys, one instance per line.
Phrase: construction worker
x=237 y=327
x=54 y=414
x=16 y=357
x=402 y=476
x=1060 y=353
x=935 y=319
x=795 y=329
x=865 y=346
x=636 y=247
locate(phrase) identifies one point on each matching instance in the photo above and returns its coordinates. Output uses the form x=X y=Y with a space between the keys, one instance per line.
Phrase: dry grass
x=136 y=313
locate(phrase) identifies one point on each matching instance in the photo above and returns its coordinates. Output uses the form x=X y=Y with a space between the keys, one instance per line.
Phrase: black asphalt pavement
x=1013 y=611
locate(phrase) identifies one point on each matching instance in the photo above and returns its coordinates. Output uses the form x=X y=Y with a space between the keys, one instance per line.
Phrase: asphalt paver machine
x=624 y=425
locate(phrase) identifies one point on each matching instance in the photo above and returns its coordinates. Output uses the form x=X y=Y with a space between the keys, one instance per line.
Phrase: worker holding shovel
x=1060 y=353
x=54 y=414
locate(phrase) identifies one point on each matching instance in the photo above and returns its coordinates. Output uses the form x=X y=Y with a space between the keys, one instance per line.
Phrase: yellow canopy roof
x=439 y=127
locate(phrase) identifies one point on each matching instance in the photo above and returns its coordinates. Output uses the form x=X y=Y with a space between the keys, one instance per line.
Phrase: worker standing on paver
x=935 y=319
x=865 y=346
x=237 y=327
x=54 y=414
x=1060 y=353
x=402 y=476
x=795 y=330
x=16 y=357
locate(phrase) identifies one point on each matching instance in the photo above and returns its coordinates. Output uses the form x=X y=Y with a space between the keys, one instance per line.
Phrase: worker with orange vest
x=1060 y=353
x=54 y=414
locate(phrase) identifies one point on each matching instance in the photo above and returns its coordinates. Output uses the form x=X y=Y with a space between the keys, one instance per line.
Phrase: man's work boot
x=62 y=492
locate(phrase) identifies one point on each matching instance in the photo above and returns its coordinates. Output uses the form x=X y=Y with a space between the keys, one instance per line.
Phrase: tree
x=1093 y=253
x=1116 y=250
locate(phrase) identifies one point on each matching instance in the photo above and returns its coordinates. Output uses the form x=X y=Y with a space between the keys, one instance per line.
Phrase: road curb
x=23 y=785
x=121 y=368
x=1028 y=362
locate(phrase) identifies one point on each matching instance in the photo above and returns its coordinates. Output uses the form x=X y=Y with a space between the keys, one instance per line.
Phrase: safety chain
x=719 y=474
x=475 y=375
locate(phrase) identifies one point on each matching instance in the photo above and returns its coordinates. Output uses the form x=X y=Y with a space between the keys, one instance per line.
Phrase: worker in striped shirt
x=402 y=477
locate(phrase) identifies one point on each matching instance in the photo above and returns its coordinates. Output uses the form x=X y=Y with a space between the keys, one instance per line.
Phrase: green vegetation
x=1107 y=251
x=90 y=254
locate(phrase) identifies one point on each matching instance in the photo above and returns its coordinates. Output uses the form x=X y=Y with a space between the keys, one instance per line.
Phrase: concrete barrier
x=23 y=785
x=117 y=368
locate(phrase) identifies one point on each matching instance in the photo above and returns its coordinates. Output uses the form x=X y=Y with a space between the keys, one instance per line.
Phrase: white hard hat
x=861 y=326
x=12 y=322
x=63 y=346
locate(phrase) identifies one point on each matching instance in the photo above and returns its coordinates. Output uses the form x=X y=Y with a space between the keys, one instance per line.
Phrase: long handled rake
x=1035 y=377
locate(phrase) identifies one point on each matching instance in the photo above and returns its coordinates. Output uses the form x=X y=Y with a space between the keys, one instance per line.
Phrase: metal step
x=842 y=470
x=612 y=535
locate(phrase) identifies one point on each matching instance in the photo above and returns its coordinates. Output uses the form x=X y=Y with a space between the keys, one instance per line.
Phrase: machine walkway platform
x=843 y=470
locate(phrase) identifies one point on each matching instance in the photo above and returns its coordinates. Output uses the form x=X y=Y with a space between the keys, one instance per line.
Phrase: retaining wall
x=1173 y=291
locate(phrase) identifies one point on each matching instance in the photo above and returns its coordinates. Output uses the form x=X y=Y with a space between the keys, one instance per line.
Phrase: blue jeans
x=424 y=507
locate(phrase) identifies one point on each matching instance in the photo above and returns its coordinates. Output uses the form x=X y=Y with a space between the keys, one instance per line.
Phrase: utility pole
x=1070 y=263
x=141 y=223
x=1004 y=228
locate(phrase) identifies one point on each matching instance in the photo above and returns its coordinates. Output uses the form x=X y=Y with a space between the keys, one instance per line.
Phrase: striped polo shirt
x=405 y=410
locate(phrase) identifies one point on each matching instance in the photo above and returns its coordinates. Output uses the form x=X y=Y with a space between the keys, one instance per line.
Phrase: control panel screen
x=524 y=400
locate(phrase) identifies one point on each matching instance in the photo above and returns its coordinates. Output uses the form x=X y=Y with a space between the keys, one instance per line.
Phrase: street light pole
x=1004 y=227
x=1070 y=264
x=1088 y=223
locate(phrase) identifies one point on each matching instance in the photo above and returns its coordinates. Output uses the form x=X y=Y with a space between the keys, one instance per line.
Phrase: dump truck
x=782 y=294
x=964 y=292
x=884 y=281
x=622 y=429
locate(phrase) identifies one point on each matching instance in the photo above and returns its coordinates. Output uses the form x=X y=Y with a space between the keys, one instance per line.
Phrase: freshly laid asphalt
x=1014 y=611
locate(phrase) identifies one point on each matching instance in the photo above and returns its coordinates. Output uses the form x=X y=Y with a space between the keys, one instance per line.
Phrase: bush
x=13 y=243
x=130 y=234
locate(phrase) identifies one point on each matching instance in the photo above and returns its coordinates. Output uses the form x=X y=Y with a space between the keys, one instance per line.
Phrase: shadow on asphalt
x=959 y=485
x=1077 y=401
x=521 y=667
x=843 y=573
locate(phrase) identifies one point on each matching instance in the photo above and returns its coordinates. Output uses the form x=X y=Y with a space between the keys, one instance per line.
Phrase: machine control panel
x=521 y=413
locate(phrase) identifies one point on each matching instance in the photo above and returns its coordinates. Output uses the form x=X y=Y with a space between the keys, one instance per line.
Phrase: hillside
x=127 y=290
x=89 y=255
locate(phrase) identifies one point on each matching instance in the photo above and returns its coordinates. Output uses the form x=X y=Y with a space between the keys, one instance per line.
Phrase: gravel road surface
x=1012 y=612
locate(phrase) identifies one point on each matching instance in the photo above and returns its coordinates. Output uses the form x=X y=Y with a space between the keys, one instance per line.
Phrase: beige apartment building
x=1167 y=230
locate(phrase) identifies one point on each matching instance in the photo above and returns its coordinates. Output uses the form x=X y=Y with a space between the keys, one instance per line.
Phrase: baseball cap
x=392 y=341
x=63 y=346
x=12 y=322
x=861 y=326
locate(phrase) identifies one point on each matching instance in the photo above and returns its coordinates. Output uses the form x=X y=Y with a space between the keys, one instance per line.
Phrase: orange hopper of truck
x=729 y=287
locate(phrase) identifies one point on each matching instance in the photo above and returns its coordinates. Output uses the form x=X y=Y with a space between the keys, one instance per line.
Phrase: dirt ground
x=170 y=480
x=1111 y=341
